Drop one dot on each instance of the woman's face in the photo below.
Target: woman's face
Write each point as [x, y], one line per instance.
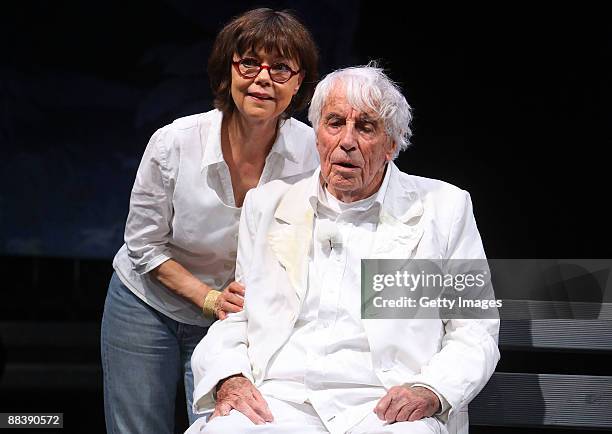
[260, 98]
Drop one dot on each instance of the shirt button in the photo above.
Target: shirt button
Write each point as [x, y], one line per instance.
[218, 282]
[228, 266]
[232, 254]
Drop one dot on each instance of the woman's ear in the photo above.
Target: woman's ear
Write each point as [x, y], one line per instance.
[299, 83]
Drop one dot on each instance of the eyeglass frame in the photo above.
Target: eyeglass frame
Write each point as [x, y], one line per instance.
[236, 64]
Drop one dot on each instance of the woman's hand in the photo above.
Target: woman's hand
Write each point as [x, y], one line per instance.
[180, 281]
[231, 300]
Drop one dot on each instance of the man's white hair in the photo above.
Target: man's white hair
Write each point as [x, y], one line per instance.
[367, 88]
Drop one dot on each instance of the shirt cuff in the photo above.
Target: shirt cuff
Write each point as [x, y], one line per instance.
[444, 405]
[153, 263]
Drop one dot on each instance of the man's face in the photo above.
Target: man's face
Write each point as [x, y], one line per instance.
[353, 148]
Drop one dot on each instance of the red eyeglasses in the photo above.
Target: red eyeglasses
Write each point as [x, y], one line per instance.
[250, 68]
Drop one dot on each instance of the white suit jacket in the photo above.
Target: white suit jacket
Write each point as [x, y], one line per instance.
[420, 218]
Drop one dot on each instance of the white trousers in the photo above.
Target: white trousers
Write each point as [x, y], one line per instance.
[291, 418]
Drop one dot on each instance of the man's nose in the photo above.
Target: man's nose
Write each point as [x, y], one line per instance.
[348, 140]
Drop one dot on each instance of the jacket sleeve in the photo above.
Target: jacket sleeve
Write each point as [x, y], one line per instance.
[469, 351]
[223, 351]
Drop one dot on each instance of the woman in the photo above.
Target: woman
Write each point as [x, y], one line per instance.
[175, 272]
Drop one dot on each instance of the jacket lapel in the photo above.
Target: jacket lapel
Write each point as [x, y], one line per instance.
[399, 230]
[291, 238]
[394, 239]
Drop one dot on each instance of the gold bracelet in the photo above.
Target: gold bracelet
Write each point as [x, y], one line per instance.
[210, 303]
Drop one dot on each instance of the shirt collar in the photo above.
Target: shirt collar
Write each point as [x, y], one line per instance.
[316, 189]
[213, 154]
[281, 144]
[210, 136]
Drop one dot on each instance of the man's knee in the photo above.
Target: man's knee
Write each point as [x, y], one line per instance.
[233, 422]
[372, 425]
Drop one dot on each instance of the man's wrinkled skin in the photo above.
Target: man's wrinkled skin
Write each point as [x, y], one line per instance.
[402, 403]
[237, 392]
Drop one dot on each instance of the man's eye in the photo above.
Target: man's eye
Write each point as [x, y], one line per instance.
[366, 128]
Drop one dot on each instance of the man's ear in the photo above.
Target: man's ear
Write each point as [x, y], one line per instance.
[390, 151]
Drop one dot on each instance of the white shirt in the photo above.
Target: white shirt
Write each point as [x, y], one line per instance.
[182, 207]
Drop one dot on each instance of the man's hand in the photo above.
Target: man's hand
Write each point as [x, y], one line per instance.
[238, 392]
[231, 300]
[403, 403]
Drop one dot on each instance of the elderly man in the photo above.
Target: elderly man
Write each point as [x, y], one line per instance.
[299, 358]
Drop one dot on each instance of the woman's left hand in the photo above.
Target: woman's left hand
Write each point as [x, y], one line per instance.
[231, 300]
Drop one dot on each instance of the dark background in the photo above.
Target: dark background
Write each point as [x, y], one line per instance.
[510, 104]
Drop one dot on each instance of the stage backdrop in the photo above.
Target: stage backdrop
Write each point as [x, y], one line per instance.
[513, 107]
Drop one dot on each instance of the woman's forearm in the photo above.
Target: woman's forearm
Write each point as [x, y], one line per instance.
[180, 281]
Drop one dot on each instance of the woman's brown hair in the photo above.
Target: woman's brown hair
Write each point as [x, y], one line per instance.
[273, 31]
